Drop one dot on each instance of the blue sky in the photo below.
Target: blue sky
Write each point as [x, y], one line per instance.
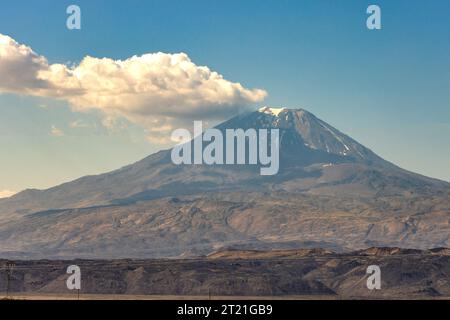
[389, 89]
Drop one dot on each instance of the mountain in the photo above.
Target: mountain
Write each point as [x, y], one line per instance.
[330, 192]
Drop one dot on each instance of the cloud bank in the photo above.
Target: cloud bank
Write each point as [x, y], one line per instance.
[158, 91]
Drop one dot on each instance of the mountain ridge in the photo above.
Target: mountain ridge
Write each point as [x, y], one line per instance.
[330, 192]
[249, 121]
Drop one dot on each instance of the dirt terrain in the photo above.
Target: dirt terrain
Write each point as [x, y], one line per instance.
[286, 274]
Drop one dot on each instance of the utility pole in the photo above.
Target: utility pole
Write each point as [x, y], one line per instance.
[9, 270]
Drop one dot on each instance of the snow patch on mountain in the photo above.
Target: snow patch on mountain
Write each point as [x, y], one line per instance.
[271, 110]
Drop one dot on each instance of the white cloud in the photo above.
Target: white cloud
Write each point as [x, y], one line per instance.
[56, 131]
[159, 91]
[19, 67]
[78, 124]
[6, 193]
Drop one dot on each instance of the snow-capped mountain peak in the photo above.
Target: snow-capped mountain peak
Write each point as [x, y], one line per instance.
[272, 110]
[304, 136]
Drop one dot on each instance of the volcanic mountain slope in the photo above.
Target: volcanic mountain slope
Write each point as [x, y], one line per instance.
[330, 192]
[313, 155]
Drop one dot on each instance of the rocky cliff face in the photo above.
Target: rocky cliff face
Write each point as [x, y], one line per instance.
[283, 273]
